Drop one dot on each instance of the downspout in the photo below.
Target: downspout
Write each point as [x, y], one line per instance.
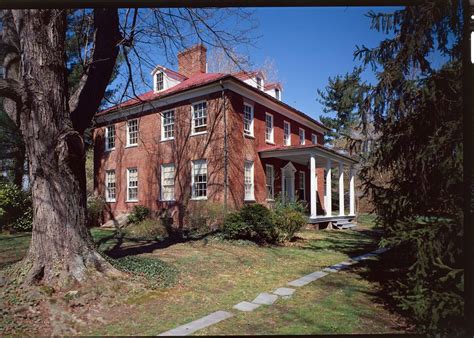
[225, 149]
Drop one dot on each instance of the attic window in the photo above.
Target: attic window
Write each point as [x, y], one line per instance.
[159, 81]
[277, 93]
[259, 83]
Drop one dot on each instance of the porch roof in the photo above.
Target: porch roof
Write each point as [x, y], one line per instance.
[301, 154]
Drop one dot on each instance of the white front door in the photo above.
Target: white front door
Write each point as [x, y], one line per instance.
[288, 182]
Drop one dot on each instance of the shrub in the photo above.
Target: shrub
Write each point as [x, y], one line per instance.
[289, 218]
[205, 216]
[95, 208]
[148, 229]
[16, 212]
[138, 214]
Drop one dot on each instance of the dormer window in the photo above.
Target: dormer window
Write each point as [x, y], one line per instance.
[277, 94]
[259, 83]
[159, 81]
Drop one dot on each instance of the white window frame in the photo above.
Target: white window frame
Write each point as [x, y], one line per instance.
[314, 138]
[107, 137]
[259, 83]
[193, 188]
[128, 185]
[163, 132]
[278, 94]
[250, 195]
[107, 194]
[163, 185]
[193, 120]
[128, 133]
[271, 139]
[287, 142]
[249, 132]
[272, 181]
[157, 89]
[302, 179]
[302, 132]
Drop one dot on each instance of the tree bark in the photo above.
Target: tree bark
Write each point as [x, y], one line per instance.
[61, 248]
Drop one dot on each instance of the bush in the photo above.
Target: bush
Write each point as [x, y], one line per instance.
[148, 229]
[253, 222]
[95, 208]
[16, 211]
[205, 217]
[138, 214]
[289, 218]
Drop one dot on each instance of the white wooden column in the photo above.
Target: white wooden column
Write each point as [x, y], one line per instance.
[341, 189]
[328, 205]
[314, 185]
[351, 191]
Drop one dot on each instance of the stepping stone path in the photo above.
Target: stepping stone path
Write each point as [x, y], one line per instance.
[199, 324]
[246, 306]
[266, 298]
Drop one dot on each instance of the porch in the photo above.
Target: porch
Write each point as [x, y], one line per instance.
[315, 157]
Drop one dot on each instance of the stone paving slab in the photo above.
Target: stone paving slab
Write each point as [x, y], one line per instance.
[284, 292]
[265, 299]
[246, 306]
[307, 279]
[198, 324]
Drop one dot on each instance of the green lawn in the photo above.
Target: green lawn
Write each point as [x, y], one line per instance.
[215, 275]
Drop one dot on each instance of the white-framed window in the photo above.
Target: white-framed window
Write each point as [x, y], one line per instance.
[199, 179]
[302, 178]
[277, 93]
[167, 182]
[302, 136]
[160, 84]
[259, 83]
[314, 138]
[110, 186]
[248, 119]
[248, 181]
[286, 133]
[132, 184]
[269, 127]
[270, 181]
[132, 132]
[199, 114]
[3, 73]
[167, 125]
[110, 137]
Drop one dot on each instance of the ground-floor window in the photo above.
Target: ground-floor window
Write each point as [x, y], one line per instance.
[248, 181]
[270, 181]
[302, 185]
[110, 191]
[167, 182]
[199, 179]
[132, 184]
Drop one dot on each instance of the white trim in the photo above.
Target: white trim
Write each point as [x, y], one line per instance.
[313, 186]
[302, 174]
[161, 182]
[289, 133]
[107, 198]
[163, 127]
[341, 189]
[128, 144]
[192, 118]
[301, 142]
[328, 190]
[271, 140]
[192, 180]
[272, 182]
[106, 137]
[315, 140]
[351, 191]
[317, 151]
[251, 196]
[128, 184]
[252, 114]
[290, 169]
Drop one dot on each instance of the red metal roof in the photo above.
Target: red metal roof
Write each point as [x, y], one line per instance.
[272, 85]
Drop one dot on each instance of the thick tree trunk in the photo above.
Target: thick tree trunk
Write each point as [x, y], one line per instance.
[61, 249]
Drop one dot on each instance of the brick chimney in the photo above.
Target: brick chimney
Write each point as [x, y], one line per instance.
[192, 61]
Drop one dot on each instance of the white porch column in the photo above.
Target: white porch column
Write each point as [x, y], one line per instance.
[351, 191]
[328, 205]
[341, 189]
[313, 184]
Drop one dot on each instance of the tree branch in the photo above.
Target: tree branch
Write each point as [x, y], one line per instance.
[11, 89]
[85, 102]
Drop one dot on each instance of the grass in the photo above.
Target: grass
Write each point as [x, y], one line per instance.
[215, 274]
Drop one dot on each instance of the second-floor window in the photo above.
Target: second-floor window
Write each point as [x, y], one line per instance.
[286, 133]
[159, 81]
[132, 132]
[132, 184]
[269, 127]
[110, 137]
[167, 125]
[314, 138]
[199, 123]
[167, 182]
[270, 181]
[110, 190]
[302, 137]
[199, 179]
[248, 181]
[248, 119]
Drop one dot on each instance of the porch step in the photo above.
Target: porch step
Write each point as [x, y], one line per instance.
[348, 226]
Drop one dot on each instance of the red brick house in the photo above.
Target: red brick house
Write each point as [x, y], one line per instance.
[221, 138]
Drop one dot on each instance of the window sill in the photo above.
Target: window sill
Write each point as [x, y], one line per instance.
[131, 201]
[199, 133]
[131, 146]
[287, 145]
[167, 139]
[270, 200]
[270, 142]
[249, 136]
[198, 198]
[169, 201]
[110, 201]
[249, 199]
[109, 150]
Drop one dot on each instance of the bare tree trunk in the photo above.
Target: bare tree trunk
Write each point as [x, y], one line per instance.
[61, 249]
